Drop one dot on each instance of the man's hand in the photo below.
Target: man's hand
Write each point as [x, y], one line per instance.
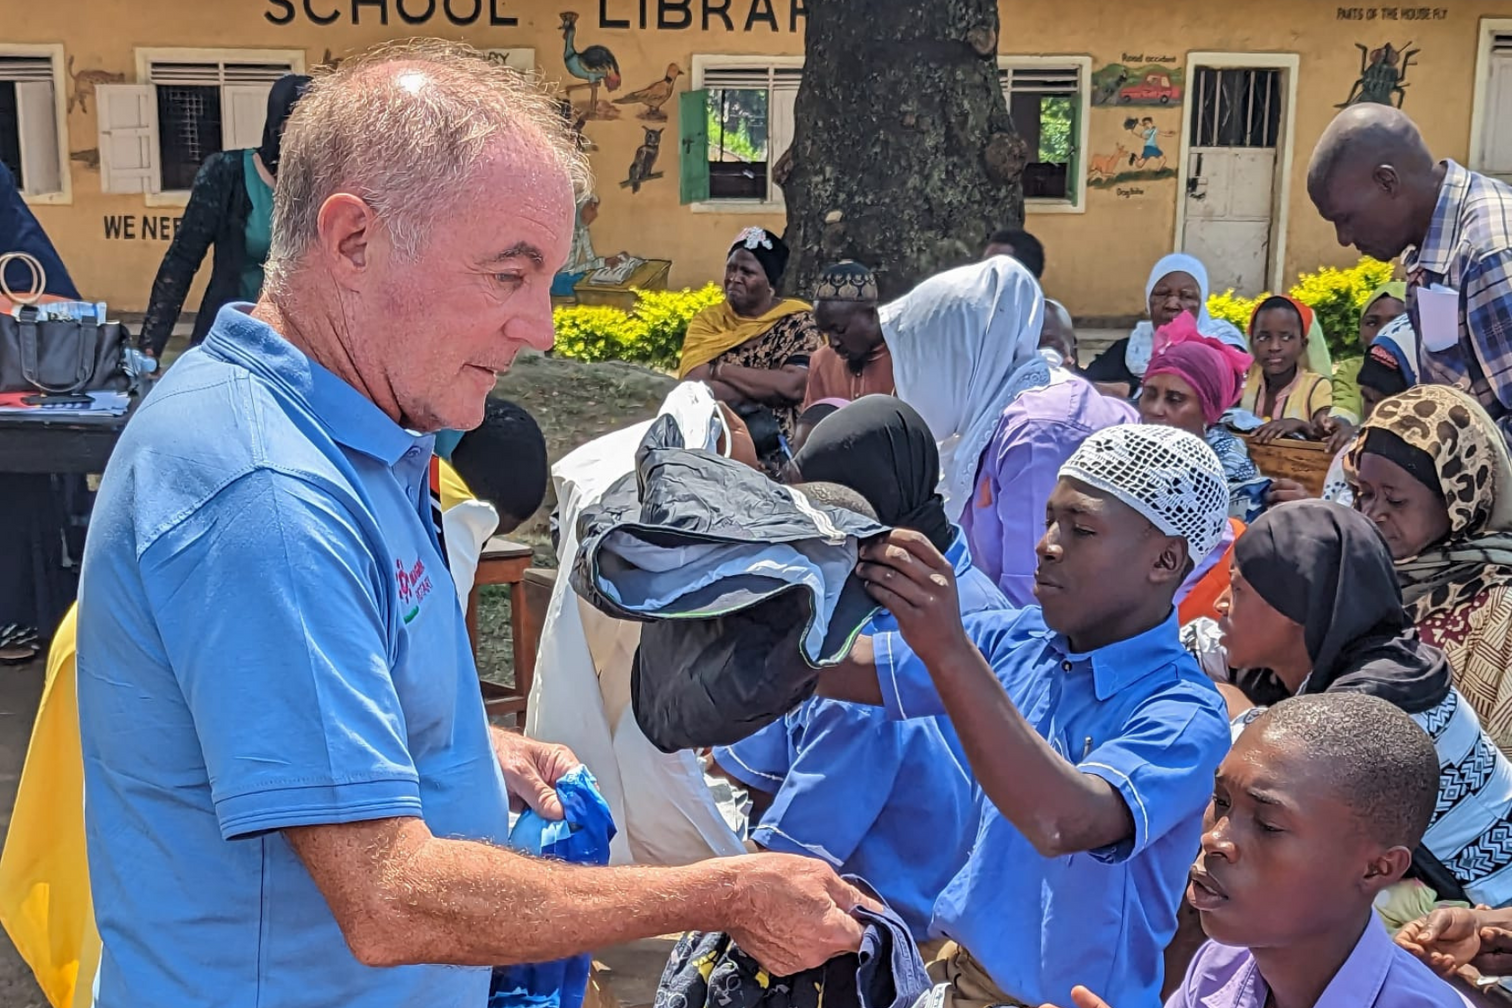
[1445, 940]
[1337, 430]
[907, 575]
[531, 771]
[1083, 998]
[1277, 429]
[1283, 490]
[792, 913]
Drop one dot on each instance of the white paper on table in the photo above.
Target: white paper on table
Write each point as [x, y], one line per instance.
[1438, 316]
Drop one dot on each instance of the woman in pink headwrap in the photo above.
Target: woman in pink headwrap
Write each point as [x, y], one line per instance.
[1190, 382]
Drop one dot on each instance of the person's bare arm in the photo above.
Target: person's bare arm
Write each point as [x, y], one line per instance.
[854, 680]
[784, 386]
[1057, 807]
[403, 896]
[1118, 390]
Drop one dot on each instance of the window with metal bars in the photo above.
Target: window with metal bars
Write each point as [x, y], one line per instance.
[1236, 107]
[193, 122]
[750, 126]
[1046, 102]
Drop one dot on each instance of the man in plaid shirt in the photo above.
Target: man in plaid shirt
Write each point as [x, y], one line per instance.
[1373, 178]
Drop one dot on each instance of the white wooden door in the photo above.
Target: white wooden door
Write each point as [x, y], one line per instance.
[1231, 175]
[1495, 154]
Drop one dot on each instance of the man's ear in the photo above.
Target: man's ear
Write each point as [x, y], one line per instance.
[345, 231]
[1386, 869]
[1387, 178]
[1172, 563]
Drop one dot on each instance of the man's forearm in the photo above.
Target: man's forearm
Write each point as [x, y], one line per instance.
[469, 904]
[1060, 809]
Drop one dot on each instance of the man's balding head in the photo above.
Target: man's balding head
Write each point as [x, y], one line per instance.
[1373, 178]
[424, 201]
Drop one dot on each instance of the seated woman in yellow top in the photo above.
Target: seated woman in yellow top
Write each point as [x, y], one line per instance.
[753, 349]
[1280, 389]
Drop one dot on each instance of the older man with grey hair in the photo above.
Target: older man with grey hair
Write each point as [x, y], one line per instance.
[292, 794]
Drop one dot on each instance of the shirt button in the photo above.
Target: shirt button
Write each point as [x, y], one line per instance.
[1065, 666]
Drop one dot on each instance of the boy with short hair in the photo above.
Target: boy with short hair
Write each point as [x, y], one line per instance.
[1092, 734]
[1315, 811]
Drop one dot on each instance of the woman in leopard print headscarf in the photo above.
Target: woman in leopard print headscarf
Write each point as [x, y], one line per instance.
[1432, 471]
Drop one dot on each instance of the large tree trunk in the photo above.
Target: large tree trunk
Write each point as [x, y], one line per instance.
[904, 156]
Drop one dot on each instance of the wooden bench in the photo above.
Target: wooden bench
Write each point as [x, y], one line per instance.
[506, 563]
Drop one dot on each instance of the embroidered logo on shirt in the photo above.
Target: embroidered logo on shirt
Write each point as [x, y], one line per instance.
[414, 585]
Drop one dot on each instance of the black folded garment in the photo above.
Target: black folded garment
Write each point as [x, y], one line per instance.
[747, 589]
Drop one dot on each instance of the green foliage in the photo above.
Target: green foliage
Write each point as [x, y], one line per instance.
[731, 113]
[652, 334]
[1055, 129]
[1337, 296]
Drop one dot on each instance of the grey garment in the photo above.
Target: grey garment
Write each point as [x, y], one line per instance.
[746, 588]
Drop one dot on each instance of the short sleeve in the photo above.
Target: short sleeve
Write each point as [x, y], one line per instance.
[1162, 762]
[1320, 396]
[907, 689]
[758, 761]
[289, 684]
[842, 775]
[1023, 465]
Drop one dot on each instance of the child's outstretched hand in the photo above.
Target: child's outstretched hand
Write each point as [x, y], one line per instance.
[1083, 998]
[907, 575]
[1277, 429]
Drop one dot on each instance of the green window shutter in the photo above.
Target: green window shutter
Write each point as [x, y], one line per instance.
[693, 155]
[1074, 181]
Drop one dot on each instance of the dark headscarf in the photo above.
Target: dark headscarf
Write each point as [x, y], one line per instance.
[769, 250]
[1326, 567]
[20, 232]
[287, 91]
[880, 448]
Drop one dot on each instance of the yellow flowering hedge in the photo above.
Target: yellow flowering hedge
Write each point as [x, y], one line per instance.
[651, 334]
[1336, 295]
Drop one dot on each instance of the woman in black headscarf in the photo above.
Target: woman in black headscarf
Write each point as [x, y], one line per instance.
[753, 348]
[230, 207]
[1314, 607]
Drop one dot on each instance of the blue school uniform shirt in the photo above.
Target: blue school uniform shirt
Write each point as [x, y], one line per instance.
[1137, 713]
[890, 801]
[268, 638]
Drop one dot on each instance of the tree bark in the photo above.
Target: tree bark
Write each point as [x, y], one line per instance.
[904, 156]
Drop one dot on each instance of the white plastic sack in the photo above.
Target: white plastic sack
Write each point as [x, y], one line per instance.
[580, 698]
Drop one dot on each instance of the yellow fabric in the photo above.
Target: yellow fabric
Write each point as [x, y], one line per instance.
[1301, 400]
[1346, 388]
[454, 489]
[717, 329]
[1407, 901]
[45, 901]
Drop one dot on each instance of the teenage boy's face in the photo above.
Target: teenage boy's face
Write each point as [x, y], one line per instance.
[1283, 857]
[1099, 560]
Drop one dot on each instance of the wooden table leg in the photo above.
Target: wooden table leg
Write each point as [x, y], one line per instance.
[524, 647]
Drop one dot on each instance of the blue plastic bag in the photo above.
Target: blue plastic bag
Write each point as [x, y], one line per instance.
[581, 838]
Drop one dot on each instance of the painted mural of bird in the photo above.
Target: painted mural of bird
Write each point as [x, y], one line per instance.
[595, 64]
[654, 96]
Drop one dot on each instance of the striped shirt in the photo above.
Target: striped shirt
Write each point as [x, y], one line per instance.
[1469, 248]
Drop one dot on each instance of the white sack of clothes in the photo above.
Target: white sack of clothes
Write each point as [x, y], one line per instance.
[665, 806]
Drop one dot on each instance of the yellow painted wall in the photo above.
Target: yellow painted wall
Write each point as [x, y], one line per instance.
[1098, 259]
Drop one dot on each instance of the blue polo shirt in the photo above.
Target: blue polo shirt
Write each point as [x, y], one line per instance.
[1137, 713]
[890, 801]
[268, 637]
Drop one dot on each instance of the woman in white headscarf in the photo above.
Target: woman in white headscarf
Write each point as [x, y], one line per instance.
[965, 349]
[1178, 283]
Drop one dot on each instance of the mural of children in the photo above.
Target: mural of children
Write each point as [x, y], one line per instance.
[582, 260]
[1149, 134]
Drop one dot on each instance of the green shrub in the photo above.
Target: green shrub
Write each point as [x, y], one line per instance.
[1337, 296]
[652, 334]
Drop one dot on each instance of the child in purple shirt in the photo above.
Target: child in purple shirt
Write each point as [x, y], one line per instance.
[1315, 811]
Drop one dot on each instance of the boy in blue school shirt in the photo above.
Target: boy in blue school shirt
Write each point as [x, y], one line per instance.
[1092, 733]
[889, 801]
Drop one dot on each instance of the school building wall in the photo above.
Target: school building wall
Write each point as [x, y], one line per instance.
[1098, 253]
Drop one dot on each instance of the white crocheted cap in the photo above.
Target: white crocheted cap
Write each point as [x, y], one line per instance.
[1166, 474]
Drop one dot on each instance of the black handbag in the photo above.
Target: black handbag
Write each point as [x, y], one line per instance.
[56, 356]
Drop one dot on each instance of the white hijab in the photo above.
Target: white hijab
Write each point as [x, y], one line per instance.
[1142, 337]
[964, 345]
